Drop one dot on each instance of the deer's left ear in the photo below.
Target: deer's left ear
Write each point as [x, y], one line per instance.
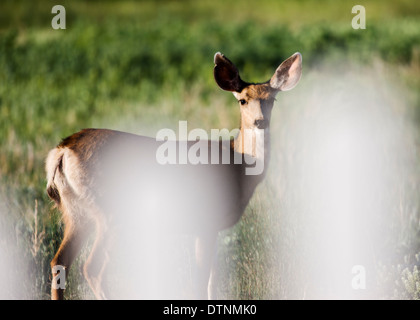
[226, 74]
[288, 73]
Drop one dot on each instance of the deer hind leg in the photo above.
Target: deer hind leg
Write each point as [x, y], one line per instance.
[96, 263]
[75, 235]
[76, 223]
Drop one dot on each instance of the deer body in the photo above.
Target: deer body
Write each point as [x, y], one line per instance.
[99, 178]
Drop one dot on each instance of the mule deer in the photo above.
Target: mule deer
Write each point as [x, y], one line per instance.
[98, 178]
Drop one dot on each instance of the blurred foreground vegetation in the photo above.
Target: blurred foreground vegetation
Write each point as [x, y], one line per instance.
[138, 66]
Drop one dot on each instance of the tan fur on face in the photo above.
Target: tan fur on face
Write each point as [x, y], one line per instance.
[256, 91]
[257, 98]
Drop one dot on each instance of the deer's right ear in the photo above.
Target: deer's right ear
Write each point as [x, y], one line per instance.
[288, 73]
[226, 74]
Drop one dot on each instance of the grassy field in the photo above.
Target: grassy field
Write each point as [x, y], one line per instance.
[139, 66]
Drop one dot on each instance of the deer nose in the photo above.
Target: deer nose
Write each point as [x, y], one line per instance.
[261, 124]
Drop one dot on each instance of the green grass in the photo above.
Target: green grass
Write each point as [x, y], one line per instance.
[141, 66]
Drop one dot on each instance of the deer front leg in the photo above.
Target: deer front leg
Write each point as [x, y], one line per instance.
[212, 286]
[204, 252]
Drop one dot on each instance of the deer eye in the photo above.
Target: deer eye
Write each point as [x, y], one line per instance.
[242, 102]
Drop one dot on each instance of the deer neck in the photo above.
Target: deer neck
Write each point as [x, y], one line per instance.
[253, 142]
[260, 152]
